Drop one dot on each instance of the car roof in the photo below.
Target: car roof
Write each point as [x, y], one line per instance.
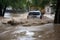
[34, 11]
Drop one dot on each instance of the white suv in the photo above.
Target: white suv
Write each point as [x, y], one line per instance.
[34, 14]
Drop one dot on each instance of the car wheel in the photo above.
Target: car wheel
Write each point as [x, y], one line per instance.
[40, 17]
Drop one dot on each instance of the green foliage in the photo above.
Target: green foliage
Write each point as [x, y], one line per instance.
[24, 3]
[40, 3]
[13, 3]
[53, 2]
[19, 4]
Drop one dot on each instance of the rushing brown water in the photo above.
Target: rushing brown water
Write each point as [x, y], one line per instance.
[57, 31]
[42, 32]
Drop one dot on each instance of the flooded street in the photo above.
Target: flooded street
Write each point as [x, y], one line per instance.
[43, 32]
[19, 32]
[29, 20]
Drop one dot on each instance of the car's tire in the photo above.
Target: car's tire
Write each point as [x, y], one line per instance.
[40, 17]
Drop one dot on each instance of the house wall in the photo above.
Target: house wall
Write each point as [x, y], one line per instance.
[48, 9]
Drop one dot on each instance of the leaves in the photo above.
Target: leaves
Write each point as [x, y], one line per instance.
[13, 3]
[40, 3]
[26, 3]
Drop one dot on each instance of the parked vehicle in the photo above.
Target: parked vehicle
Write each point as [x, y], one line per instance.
[34, 14]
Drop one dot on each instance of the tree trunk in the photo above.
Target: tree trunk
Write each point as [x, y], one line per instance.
[4, 10]
[1, 10]
[57, 15]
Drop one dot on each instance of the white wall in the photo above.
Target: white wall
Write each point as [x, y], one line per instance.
[48, 10]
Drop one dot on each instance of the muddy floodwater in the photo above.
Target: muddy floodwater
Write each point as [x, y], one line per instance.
[39, 32]
[43, 32]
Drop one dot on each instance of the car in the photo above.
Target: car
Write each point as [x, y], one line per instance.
[34, 14]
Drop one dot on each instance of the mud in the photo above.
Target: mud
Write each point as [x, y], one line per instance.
[21, 19]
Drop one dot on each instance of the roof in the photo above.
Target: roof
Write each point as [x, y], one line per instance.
[34, 11]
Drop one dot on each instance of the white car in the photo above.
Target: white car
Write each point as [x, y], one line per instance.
[34, 14]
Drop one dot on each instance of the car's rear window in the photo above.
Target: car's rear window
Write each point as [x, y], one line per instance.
[34, 13]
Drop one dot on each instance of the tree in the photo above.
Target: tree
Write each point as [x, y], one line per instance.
[12, 3]
[53, 2]
[57, 15]
[40, 3]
